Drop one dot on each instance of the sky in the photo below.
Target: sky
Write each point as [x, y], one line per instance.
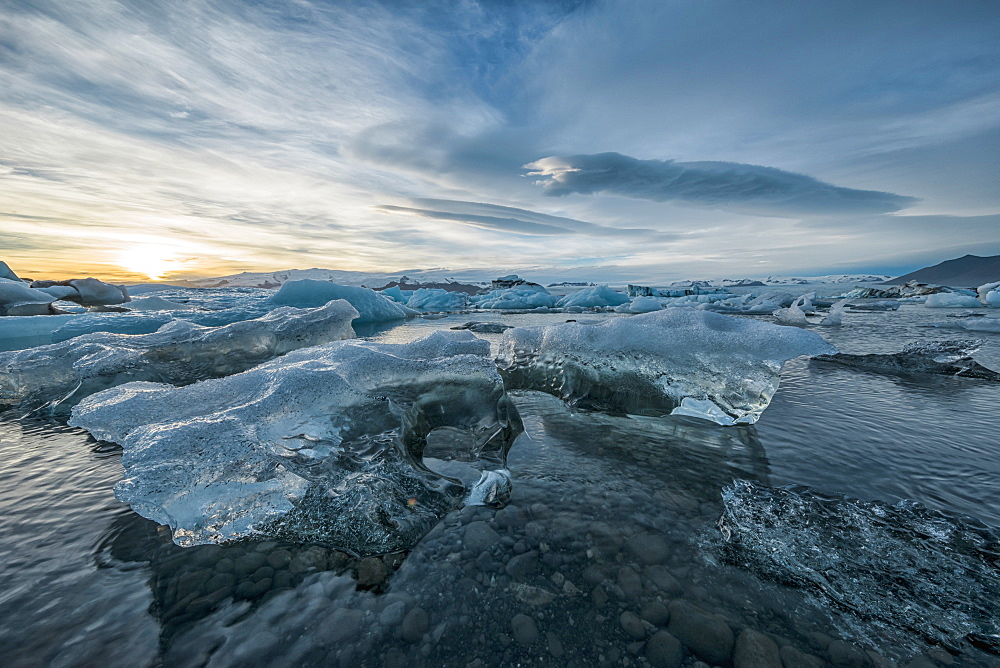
[629, 140]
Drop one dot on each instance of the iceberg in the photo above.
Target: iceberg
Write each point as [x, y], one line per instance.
[948, 358]
[515, 298]
[970, 325]
[18, 299]
[671, 361]
[437, 299]
[796, 313]
[396, 294]
[85, 291]
[7, 272]
[371, 306]
[600, 295]
[644, 305]
[835, 318]
[951, 300]
[59, 375]
[330, 444]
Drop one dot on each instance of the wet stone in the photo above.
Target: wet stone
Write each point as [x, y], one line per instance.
[225, 565]
[480, 536]
[630, 582]
[593, 575]
[249, 563]
[555, 645]
[279, 559]
[793, 657]
[395, 658]
[664, 651]
[648, 548]
[342, 625]
[845, 655]
[662, 579]
[599, 597]
[524, 629]
[486, 564]
[707, 637]
[311, 560]
[522, 566]
[264, 572]
[371, 572]
[414, 625]
[655, 613]
[632, 625]
[282, 580]
[755, 650]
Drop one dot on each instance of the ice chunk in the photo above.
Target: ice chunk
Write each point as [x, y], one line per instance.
[7, 272]
[874, 305]
[930, 577]
[61, 374]
[16, 298]
[649, 364]
[970, 324]
[949, 358]
[323, 445]
[396, 294]
[986, 288]
[644, 305]
[86, 291]
[371, 306]
[796, 313]
[436, 299]
[835, 318]
[515, 298]
[600, 295]
[115, 323]
[951, 300]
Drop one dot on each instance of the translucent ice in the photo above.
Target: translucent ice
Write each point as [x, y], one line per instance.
[515, 298]
[949, 358]
[932, 578]
[796, 313]
[600, 295]
[85, 291]
[61, 374]
[651, 364]
[371, 306]
[951, 300]
[644, 305]
[325, 444]
[16, 298]
[970, 324]
[437, 299]
[835, 318]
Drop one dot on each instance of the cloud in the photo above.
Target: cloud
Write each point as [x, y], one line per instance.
[727, 185]
[516, 221]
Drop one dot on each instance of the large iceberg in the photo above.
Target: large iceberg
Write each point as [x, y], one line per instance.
[948, 358]
[329, 444]
[600, 295]
[61, 374]
[371, 306]
[520, 297]
[85, 291]
[678, 361]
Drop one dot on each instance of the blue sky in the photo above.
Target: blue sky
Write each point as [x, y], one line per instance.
[616, 140]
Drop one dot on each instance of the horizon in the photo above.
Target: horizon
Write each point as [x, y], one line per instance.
[587, 140]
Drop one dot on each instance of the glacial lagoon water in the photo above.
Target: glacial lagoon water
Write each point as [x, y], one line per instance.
[864, 535]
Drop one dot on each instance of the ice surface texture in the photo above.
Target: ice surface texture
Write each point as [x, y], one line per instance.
[520, 297]
[684, 361]
[948, 358]
[899, 566]
[436, 299]
[371, 306]
[16, 298]
[600, 295]
[85, 291]
[324, 444]
[61, 374]
[951, 300]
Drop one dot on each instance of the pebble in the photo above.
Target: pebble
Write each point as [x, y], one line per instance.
[599, 597]
[755, 650]
[310, 560]
[655, 613]
[632, 625]
[524, 629]
[708, 637]
[279, 559]
[480, 536]
[648, 548]
[793, 657]
[662, 579]
[555, 645]
[392, 614]
[342, 625]
[414, 625]
[664, 651]
[249, 563]
[630, 582]
[845, 655]
[522, 566]
[371, 572]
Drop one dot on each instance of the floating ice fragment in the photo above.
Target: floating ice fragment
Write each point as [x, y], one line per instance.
[644, 305]
[949, 358]
[835, 318]
[951, 300]
[437, 299]
[324, 444]
[903, 567]
[371, 306]
[649, 364]
[61, 374]
[600, 295]
[970, 324]
[17, 299]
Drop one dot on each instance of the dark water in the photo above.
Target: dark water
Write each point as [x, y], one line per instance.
[610, 542]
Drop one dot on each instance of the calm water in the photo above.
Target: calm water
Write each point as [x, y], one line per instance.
[610, 537]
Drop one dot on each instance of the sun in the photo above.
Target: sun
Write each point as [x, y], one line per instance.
[152, 260]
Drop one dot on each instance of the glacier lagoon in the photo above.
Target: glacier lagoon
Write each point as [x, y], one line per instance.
[610, 550]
